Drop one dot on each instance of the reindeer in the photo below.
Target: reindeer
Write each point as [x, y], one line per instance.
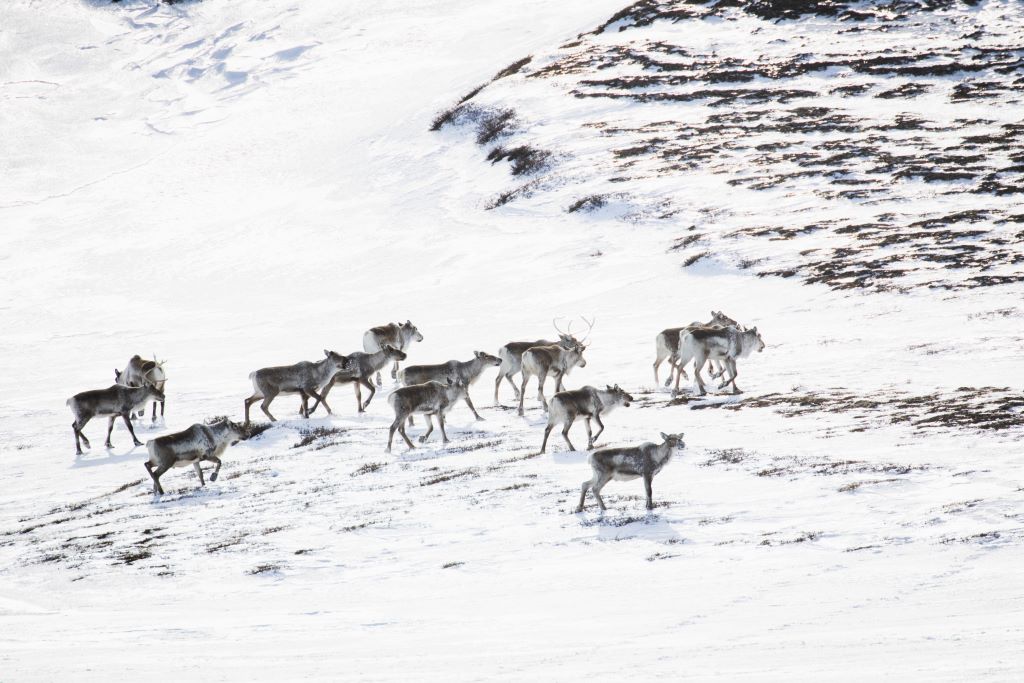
[192, 446]
[112, 402]
[667, 344]
[139, 372]
[724, 344]
[554, 360]
[430, 398]
[466, 372]
[304, 378]
[589, 402]
[511, 355]
[398, 336]
[624, 464]
[359, 368]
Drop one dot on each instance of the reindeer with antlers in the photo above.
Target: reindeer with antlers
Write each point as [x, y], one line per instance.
[139, 373]
[554, 360]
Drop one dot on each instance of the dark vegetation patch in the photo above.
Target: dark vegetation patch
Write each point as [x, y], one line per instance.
[264, 569]
[987, 408]
[451, 565]
[803, 537]
[368, 468]
[319, 437]
[525, 160]
[854, 485]
[591, 202]
[470, 472]
[475, 446]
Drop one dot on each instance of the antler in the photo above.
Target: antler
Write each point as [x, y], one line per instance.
[554, 321]
[590, 326]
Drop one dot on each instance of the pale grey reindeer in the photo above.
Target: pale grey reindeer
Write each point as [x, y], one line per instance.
[543, 361]
[587, 402]
[430, 398]
[627, 463]
[667, 345]
[199, 443]
[305, 378]
[466, 372]
[400, 336]
[511, 356]
[111, 402]
[724, 344]
[359, 368]
[140, 371]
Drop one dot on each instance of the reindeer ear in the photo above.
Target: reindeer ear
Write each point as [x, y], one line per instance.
[117, 374]
[754, 329]
[665, 436]
[327, 353]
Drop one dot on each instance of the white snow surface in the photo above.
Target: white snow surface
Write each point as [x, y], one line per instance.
[244, 184]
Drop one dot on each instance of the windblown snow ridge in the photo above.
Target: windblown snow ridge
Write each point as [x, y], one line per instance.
[859, 145]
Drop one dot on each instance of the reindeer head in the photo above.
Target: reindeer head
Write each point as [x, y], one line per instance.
[619, 396]
[409, 331]
[235, 431]
[335, 360]
[153, 392]
[754, 336]
[487, 358]
[394, 354]
[674, 440]
[720, 318]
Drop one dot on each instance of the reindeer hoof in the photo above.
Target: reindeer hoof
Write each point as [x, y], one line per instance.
[213, 477]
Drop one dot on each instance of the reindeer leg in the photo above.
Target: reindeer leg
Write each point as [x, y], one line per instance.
[698, 365]
[497, 385]
[303, 404]
[735, 373]
[379, 382]
[321, 399]
[430, 428]
[440, 420]
[391, 432]
[471, 407]
[522, 393]
[600, 428]
[565, 431]
[215, 460]
[110, 428]
[157, 487]
[199, 473]
[162, 406]
[248, 402]
[131, 430]
[512, 382]
[156, 482]
[265, 406]
[540, 390]
[394, 370]
[602, 479]
[547, 432]
[590, 437]
[78, 433]
[373, 390]
[154, 412]
[583, 493]
[648, 478]
[401, 430]
[359, 396]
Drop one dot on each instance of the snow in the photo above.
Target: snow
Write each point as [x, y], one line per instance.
[237, 185]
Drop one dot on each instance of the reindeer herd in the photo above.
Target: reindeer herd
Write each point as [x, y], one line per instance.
[431, 391]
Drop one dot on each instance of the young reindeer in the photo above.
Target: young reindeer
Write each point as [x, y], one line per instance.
[430, 398]
[359, 368]
[667, 343]
[587, 402]
[624, 464]
[112, 402]
[304, 378]
[511, 356]
[192, 446]
[465, 372]
[139, 372]
[398, 336]
[724, 344]
[554, 360]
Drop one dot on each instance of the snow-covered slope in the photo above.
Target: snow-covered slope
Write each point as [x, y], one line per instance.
[235, 185]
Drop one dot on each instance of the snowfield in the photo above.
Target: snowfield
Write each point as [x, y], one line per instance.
[231, 186]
